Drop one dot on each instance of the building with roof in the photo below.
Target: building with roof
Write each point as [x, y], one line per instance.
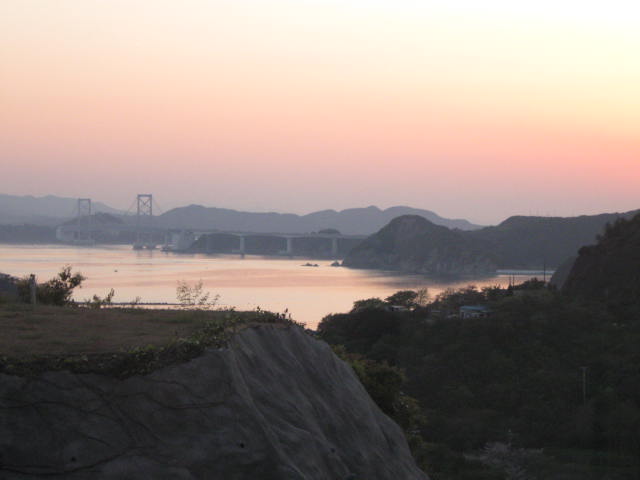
[474, 311]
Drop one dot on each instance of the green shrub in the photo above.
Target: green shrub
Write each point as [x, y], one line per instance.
[56, 291]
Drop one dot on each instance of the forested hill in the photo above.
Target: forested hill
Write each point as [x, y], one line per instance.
[554, 379]
[518, 242]
[609, 270]
[413, 244]
[525, 242]
[352, 221]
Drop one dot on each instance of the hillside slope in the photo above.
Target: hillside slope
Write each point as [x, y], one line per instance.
[609, 270]
[532, 242]
[413, 244]
[275, 404]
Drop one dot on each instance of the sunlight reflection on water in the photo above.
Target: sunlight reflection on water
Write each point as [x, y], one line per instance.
[272, 283]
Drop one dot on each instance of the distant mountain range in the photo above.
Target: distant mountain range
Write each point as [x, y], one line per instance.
[49, 210]
[352, 221]
[518, 242]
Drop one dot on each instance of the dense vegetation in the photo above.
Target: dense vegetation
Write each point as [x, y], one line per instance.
[542, 371]
[414, 244]
[55, 291]
[610, 270]
[533, 241]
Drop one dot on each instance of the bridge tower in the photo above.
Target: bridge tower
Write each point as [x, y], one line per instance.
[144, 222]
[83, 222]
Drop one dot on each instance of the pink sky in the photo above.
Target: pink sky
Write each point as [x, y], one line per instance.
[300, 105]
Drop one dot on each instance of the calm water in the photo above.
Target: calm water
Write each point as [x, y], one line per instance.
[270, 283]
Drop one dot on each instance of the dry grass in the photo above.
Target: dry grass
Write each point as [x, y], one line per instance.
[71, 331]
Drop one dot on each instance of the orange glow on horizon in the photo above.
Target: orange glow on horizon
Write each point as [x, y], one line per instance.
[540, 99]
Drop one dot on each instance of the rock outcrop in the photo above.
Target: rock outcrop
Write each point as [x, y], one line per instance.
[412, 244]
[275, 404]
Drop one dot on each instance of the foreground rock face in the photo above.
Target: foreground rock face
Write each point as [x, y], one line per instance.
[276, 404]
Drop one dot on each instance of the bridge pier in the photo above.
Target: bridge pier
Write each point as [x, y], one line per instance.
[167, 240]
[334, 246]
[242, 246]
[289, 246]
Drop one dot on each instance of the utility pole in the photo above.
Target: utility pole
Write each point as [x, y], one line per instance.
[33, 286]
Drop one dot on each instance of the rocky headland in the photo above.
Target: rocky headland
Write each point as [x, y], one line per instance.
[413, 244]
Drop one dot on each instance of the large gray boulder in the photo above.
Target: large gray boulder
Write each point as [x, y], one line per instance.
[275, 404]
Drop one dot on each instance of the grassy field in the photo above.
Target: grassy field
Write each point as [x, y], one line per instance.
[114, 341]
[47, 330]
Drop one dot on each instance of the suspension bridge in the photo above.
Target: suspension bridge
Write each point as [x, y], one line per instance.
[139, 227]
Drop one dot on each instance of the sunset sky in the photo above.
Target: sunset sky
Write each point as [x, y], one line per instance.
[472, 109]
